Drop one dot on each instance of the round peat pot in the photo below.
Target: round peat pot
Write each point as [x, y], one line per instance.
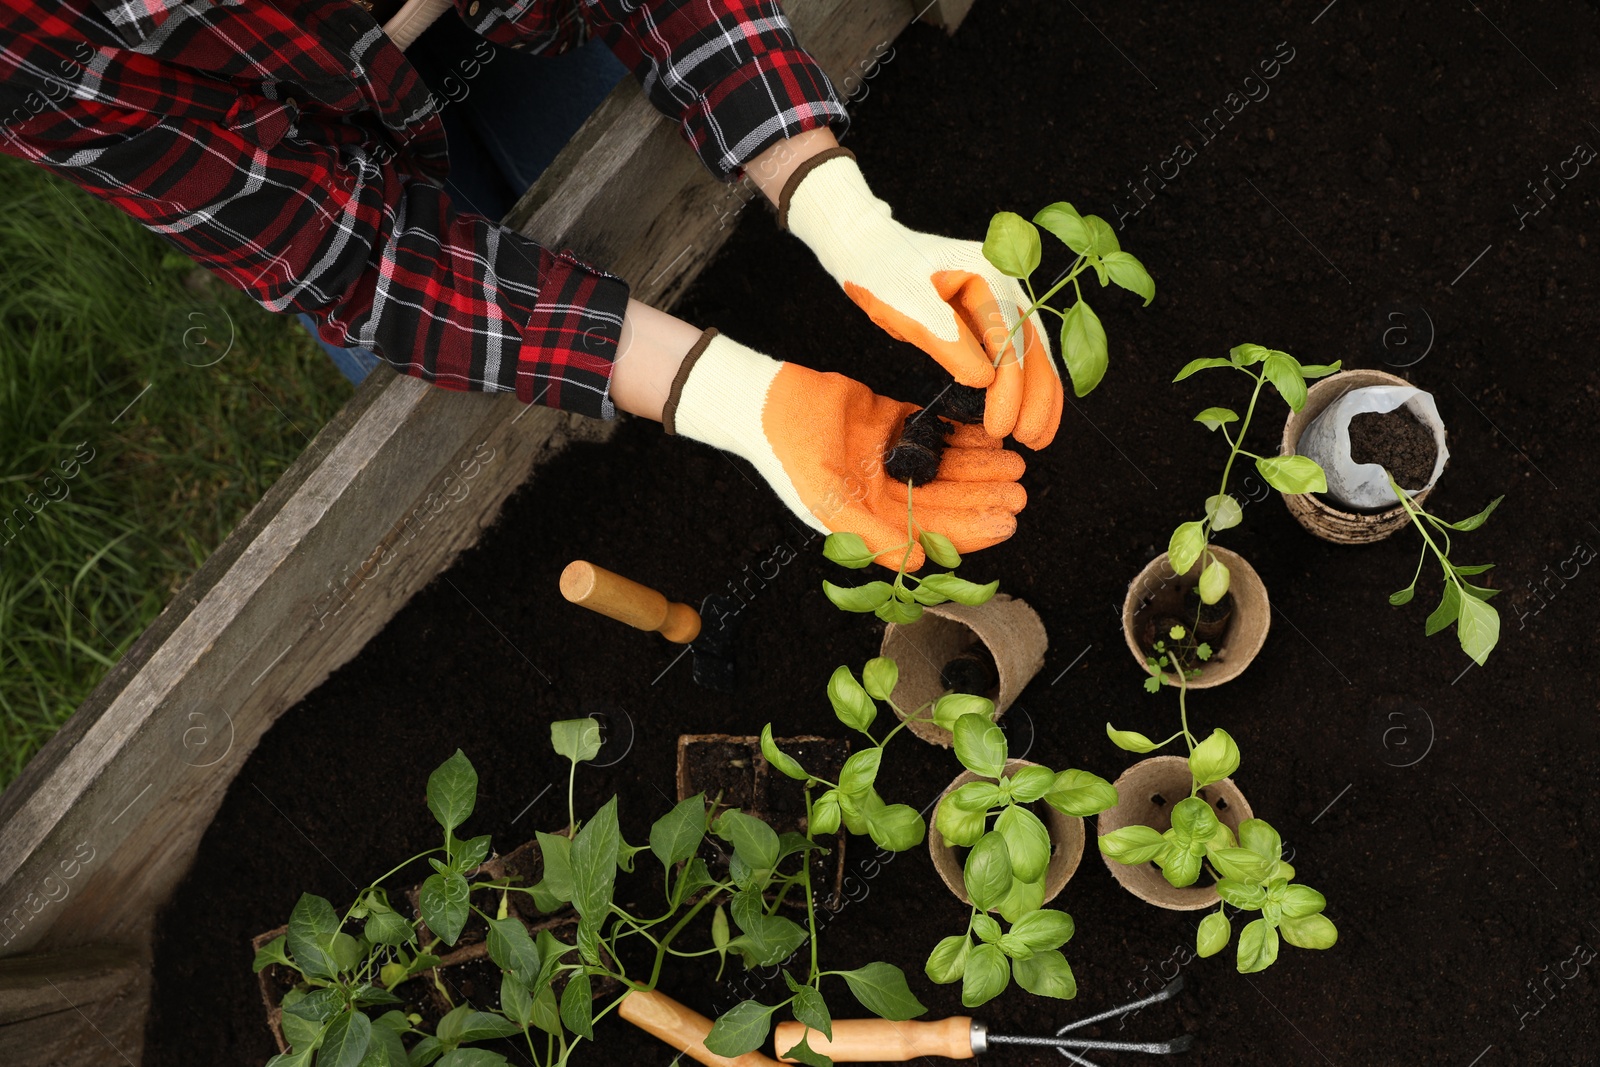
[1146, 793]
[1158, 592]
[1010, 631]
[1066, 841]
[1329, 521]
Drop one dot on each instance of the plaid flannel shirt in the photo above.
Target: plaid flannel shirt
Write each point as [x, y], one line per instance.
[289, 147]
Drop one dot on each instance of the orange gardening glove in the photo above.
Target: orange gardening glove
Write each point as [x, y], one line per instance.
[937, 293]
[819, 441]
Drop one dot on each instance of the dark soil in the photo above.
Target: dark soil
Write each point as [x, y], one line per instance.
[1208, 622]
[1447, 813]
[972, 672]
[1399, 442]
[915, 456]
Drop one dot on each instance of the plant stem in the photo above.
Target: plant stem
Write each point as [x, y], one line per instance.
[1233, 453]
[1412, 512]
[811, 900]
[572, 812]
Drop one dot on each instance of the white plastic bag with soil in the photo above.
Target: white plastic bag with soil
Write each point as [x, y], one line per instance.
[1364, 486]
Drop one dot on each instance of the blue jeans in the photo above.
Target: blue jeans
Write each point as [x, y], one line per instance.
[503, 124]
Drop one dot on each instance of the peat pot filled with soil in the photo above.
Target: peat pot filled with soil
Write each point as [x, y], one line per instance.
[1235, 627]
[1066, 840]
[1146, 793]
[1355, 425]
[990, 650]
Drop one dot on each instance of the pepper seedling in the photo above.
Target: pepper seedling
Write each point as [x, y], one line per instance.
[1013, 246]
[1465, 604]
[1250, 871]
[1191, 541]
[899, 602]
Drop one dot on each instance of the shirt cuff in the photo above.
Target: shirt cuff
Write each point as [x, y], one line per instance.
[569, 344]
[774, 96]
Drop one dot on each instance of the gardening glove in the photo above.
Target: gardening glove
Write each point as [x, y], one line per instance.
[939, 294]
[819, 441]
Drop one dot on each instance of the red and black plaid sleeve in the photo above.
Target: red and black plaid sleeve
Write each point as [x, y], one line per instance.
[729, 71]
[291, 149]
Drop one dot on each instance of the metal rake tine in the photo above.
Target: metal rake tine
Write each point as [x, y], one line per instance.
[1166, 992]
[1076, 1058]
[1180, 1043]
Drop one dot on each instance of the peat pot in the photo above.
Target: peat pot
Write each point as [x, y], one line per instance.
[1157, 592]
[1326, 519]
[1004, 637]
[1066, 840]
[1146, 793]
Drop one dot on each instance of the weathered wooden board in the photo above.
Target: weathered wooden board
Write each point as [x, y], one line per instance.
[86, 1005]
[945, 13]
[104, 822]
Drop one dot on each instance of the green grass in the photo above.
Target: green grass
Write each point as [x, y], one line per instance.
[191, 400]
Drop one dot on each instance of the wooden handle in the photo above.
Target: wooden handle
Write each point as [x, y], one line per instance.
[879, 1040]
[682, 1028]
[627, 601]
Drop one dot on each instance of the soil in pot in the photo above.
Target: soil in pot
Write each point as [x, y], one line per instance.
[972, 672]
[1207, 621]
[1398, 441]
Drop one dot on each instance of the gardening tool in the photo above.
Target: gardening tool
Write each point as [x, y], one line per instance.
[643, 608]
[961, 1037]
[683, 1028]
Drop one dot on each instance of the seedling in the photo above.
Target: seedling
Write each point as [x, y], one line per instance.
[1184, 651]
[1465, 604]
[1013, 246]
[1191, 541]
[900, 602]
[1250, 871]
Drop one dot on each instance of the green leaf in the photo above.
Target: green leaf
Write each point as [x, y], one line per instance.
[1179, 866]
[1029, 784]
[516, 1001]
[1214, 581]
[1319, 370]
[860, 771]
[1130, 740]
[948, 960]
[898, 612]
[1403, 596]
[1259, 837]
[1477, 568]
[453, 791]
[443, 903]
[896, 827]
[851, 702]
[987, 974]
[467, 855]
[576, 739]
[1214, 759]
[1472, 524]
[1213, 935]
[1042, 930]
[512, 949]
[1196, 365]
[1300, 901]
[577, 1005]
[546, 1014]
[1292, 474]
[1063, 220]
[1446, 613]
[312, 925]
[292, 1059]
[1081, 793]
[386, 1049]
[1215, 418]
[1240, 864]
[556, 852]
[741, 1029]
[861, 598]
[1023, 898]
[594, 864]
[1258, 946]
[346, 1040]
[765, 940]
[1244, 895]
[472, 1057]
[424, 1052]
[1478, 629]
[753, 841]
[1027, 842]
[1129, 273]
[880, 676]
[273, 952]
[1133, 844]
[1046, 974]
[881, 988]
[1310, 931]
[847, 550]
[987, 873]
[980, 746]
[959, 826]
[939, 548]
[1193, 823]
[809, 1007]
[1223, 511]
[986, 928]
[1012, 245]
[959, 589]
[1083, 346]
[1185, 546]
[1283, 371]
[1247, 355]
[464, 1024]
[302, 1034]
[804, 1053]
[825, 814]
[1102, 238]
[676, 835]
[948, 709]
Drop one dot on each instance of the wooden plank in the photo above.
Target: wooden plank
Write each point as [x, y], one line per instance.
[84, 1007]
[104, 822]
[946, 13]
